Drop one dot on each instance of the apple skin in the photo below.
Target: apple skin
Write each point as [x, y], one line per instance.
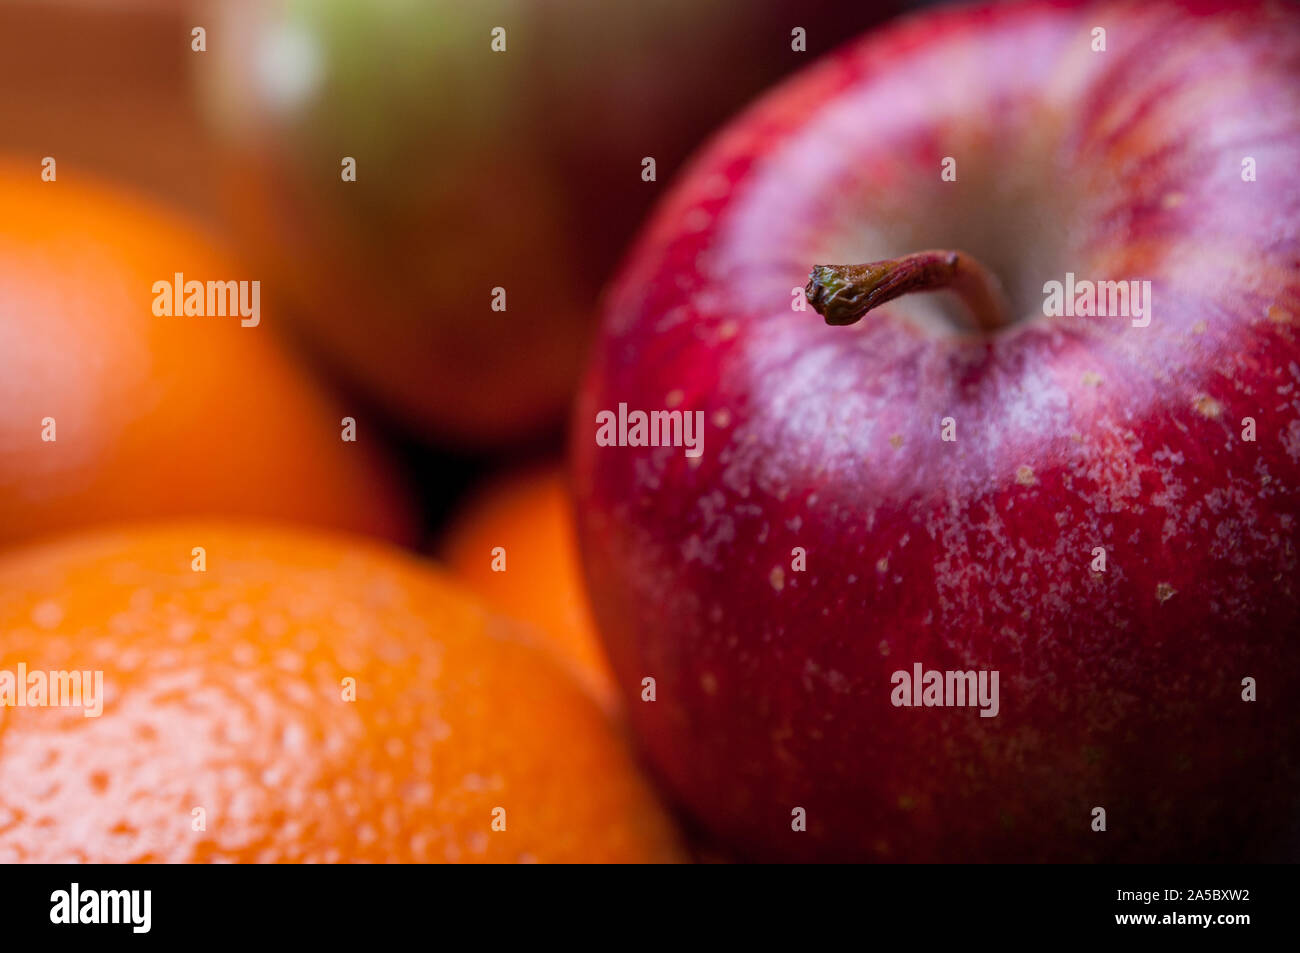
[1119, 689]
[475, 170]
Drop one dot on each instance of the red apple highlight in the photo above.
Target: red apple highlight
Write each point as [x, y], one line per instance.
[1100, 506]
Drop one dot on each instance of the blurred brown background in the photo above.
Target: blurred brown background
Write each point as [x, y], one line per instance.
[113, 89]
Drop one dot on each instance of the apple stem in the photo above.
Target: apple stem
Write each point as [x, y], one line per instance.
[844, 293]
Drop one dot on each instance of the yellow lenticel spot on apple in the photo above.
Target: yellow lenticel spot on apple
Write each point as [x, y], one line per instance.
[1025, 476]
[896, 440]
[697, 220]
[1172, 199]
[1207, 406]
[905, 802]
[1199, 327]
[674, 398]
[1090, 378]
[882, 564]
[709, 683]
[1165, 592]
[722, 418]
[777, 578]
[1279, 315]
[716, 186]
[884, 647]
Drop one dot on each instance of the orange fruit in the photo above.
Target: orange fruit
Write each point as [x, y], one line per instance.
[154, 415]
[226, 733]
[524, 522]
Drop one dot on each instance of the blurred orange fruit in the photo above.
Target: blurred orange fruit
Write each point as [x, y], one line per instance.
[524, 523]
[227, 733]
[154, 416]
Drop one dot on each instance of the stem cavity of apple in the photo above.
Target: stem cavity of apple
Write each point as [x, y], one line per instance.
[842, 294]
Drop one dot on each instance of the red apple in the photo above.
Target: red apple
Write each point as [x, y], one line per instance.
[518, 168]
[1120, 688]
